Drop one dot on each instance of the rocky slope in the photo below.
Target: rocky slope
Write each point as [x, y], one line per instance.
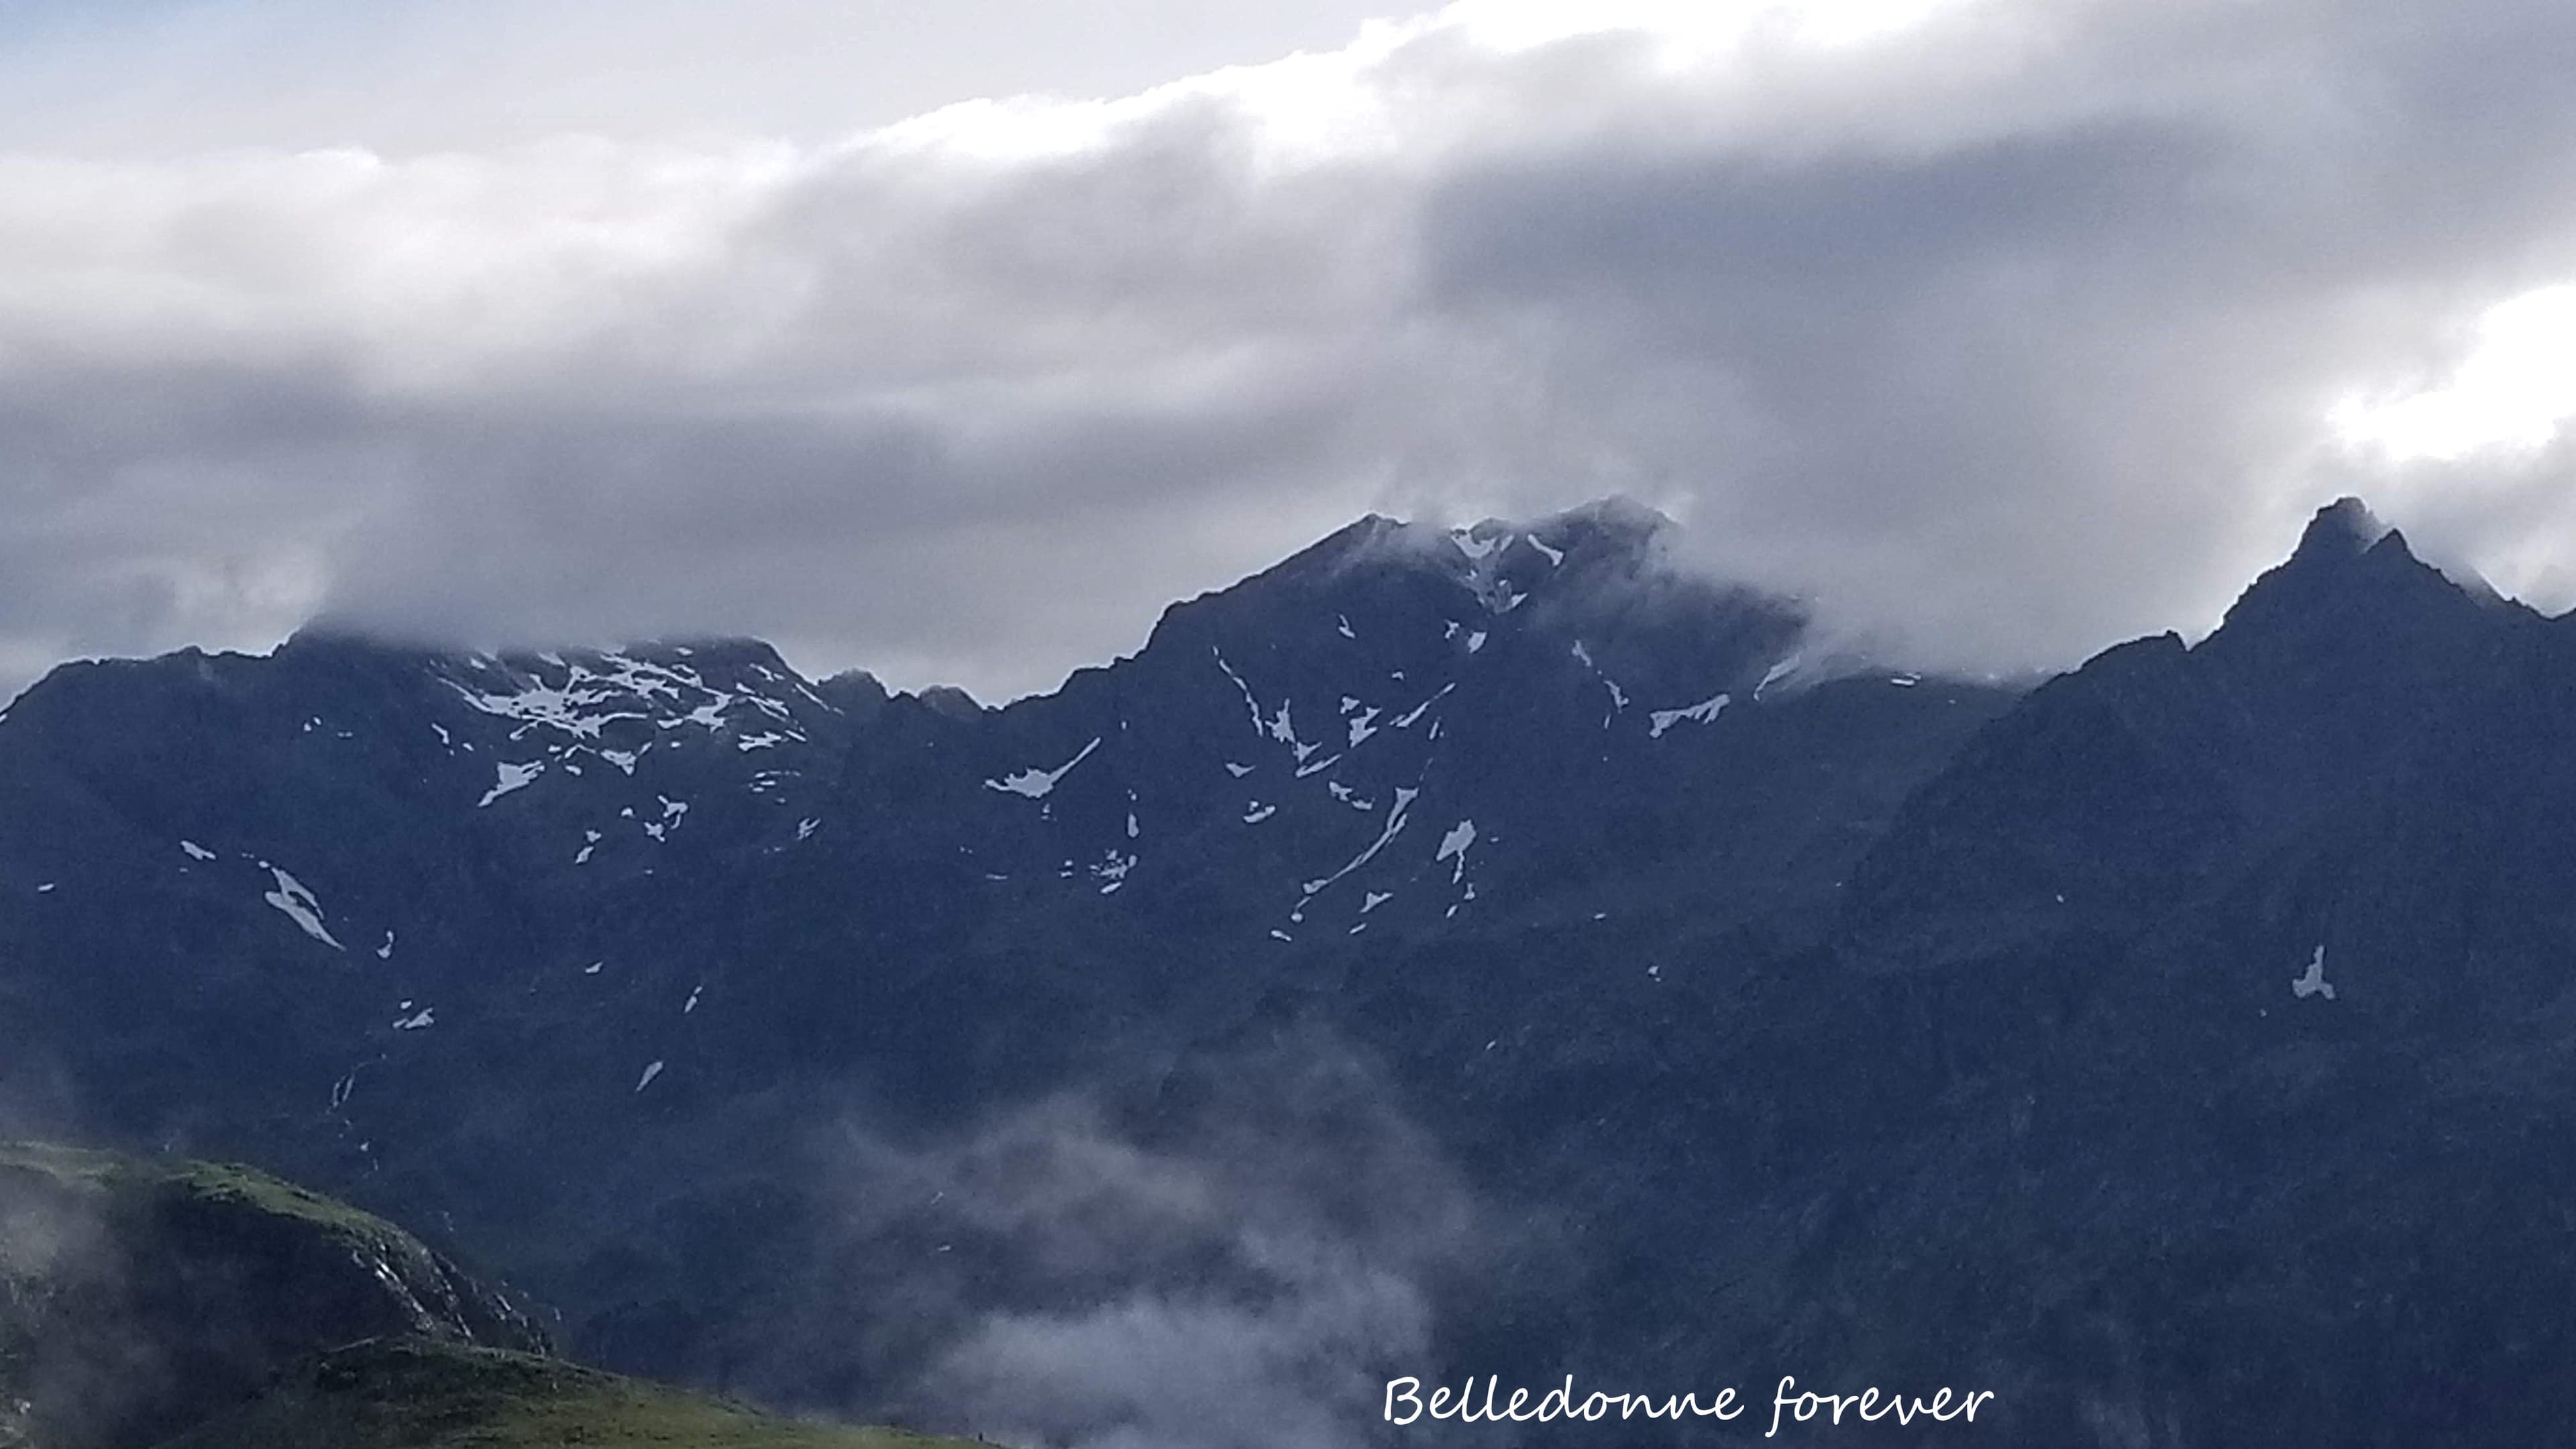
[2177, 1048]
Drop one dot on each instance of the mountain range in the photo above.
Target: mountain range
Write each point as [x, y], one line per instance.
[1487, 950]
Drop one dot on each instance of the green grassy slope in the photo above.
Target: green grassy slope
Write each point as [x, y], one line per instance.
[429, 1394]
[139, 1297]
[125, 1186]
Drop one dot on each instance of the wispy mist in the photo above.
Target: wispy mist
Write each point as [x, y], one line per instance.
[1240, 1270]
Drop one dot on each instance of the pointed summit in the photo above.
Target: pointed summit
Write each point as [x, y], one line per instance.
[2344, 528]
[2348, 563]
[2352, 605]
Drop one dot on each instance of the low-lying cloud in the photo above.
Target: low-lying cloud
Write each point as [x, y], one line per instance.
[1240, 1272]
[2000, 329]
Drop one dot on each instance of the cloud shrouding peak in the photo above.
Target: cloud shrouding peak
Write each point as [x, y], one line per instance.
[2000, 330]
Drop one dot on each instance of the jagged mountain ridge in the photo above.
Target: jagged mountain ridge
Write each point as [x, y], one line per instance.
[2344, 723]
[2241, 971]
[463, 821]
[518, 935]
[1813, 1017]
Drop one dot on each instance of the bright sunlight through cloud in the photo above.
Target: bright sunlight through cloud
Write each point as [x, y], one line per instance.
[2513, 390]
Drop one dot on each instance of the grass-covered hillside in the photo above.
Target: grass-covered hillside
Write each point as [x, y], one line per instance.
[137, 1295]
[145, 1299]
[433, 1394]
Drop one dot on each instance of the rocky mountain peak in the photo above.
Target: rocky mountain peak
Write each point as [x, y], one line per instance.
[2353, 584]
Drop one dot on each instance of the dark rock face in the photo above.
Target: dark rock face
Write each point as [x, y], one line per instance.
[2238, 973]
[2363, 747]
[2176, 1049]
[137, 1297]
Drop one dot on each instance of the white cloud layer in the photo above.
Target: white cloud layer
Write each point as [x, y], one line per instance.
[2003, 329]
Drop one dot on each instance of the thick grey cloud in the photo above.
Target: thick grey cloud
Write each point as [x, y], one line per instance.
[2007, 394]
[2002, 330]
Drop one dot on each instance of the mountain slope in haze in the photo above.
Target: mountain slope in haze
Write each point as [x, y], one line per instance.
[137, 1296]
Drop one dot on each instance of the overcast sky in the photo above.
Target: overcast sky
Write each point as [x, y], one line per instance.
[956, 340]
